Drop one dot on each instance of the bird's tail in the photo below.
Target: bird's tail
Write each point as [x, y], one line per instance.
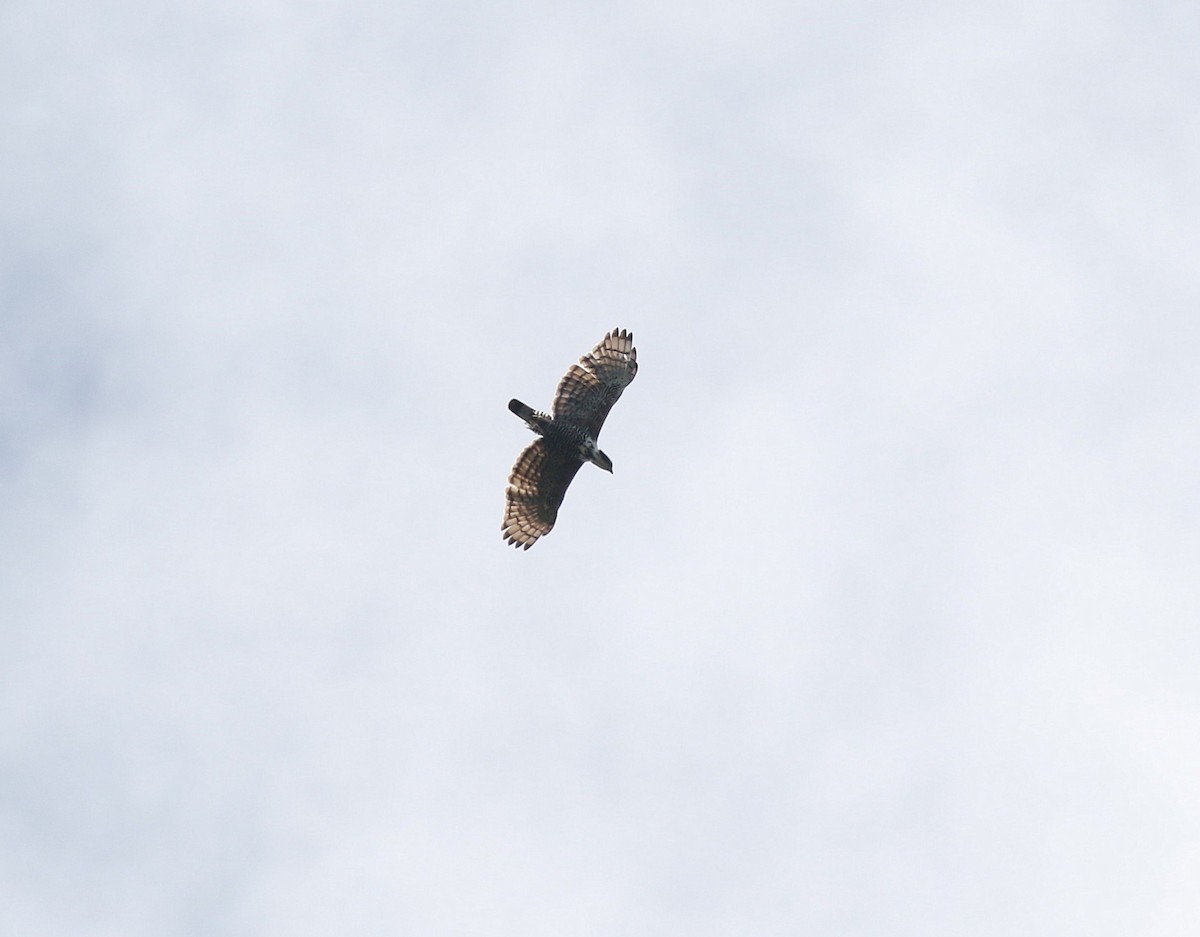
[524, 411]
[534, 419]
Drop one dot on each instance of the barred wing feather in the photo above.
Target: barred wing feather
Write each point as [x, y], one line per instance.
[589, 389]
[536, 487]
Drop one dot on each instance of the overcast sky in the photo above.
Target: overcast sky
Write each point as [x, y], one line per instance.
[888, 622]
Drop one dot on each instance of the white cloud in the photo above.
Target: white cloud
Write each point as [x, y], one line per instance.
[884, 622]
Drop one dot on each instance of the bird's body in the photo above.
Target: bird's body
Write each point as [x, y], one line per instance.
[567, 438]
[562, 434]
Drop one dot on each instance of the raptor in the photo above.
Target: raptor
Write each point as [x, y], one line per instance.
[566, 437]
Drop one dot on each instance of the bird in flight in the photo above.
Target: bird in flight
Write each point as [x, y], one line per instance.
[566, 439]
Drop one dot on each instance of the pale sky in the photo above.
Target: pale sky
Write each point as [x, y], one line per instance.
[888, 621]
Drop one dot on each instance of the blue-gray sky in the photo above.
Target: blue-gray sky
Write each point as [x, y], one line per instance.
[887, 621]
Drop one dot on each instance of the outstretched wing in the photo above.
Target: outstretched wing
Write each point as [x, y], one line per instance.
[536, 486]
[589, 389]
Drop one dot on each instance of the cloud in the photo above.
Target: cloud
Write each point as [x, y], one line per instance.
[883, 622]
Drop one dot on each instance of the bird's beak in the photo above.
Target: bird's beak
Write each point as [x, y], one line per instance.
[605, 463]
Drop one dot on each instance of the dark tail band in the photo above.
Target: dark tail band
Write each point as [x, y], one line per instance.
[522, 410]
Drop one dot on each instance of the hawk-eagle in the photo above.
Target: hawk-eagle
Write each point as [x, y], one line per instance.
[566, 439]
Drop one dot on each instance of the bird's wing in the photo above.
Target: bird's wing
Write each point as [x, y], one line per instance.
[589, 389]
[536, 486]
